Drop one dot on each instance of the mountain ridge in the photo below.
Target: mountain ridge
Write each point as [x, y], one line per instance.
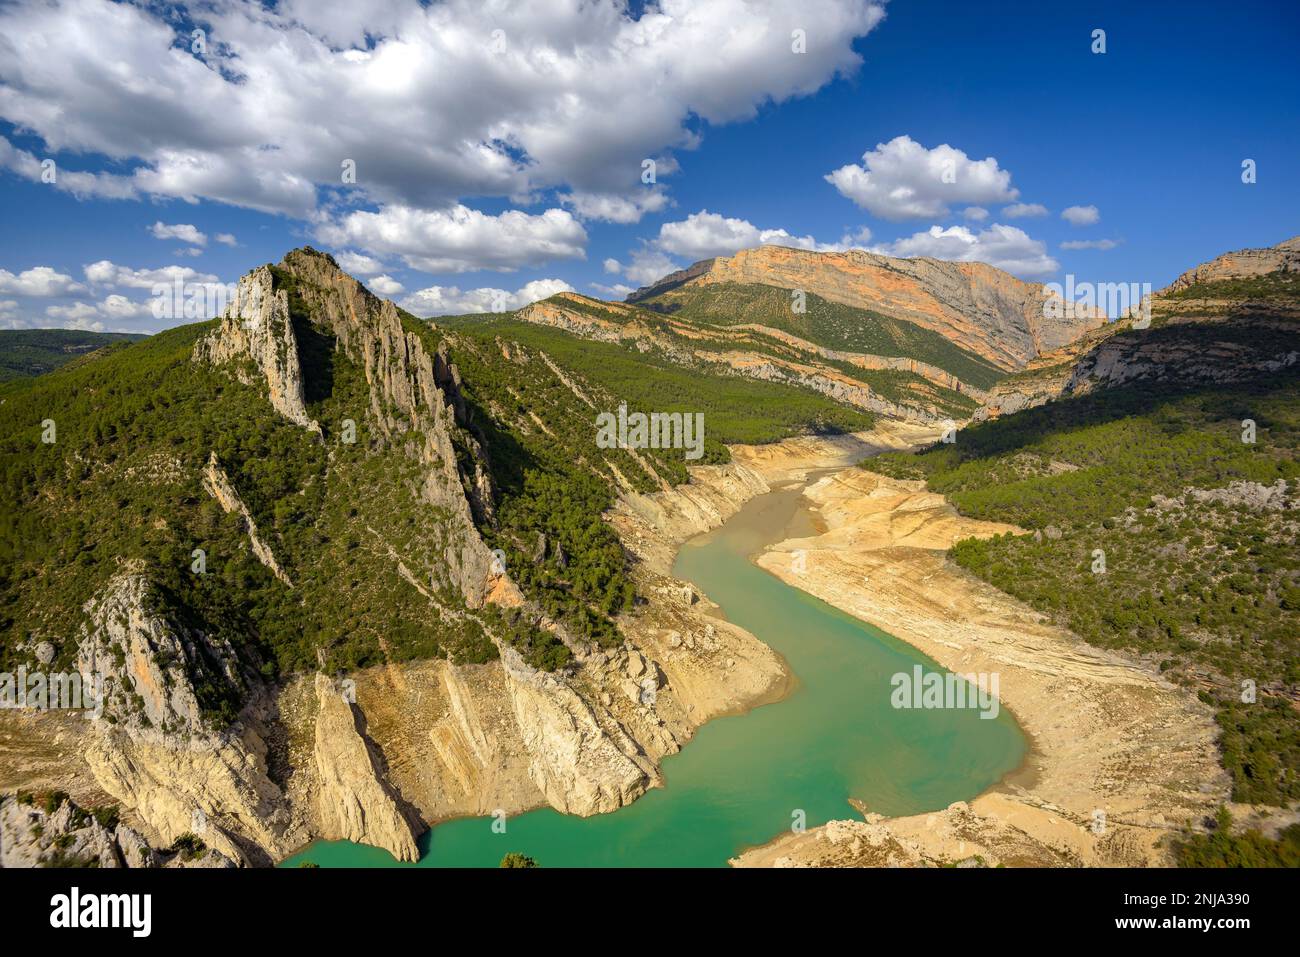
[977, 306]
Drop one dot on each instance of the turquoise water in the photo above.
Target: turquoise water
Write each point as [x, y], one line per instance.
[742, 779]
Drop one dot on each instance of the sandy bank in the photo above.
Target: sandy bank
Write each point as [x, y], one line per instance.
[1120, 759]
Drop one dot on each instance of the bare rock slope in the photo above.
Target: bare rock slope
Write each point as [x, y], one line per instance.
[980, 308]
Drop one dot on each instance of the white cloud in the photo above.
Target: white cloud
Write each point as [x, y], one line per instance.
[1081, 215]
[648, 265]
[82, 185]
[1090, 244]
[38, 281]
[451, 301]
[976, 214]
[185, 232]
[120, 307]
[617, 291]
[1021, 210]
[359, 265]
[106, 273]
[226, 239]
[613, 208]
[612, 265]
[385, 286]
[461, 239]
[902, 179]
[77, 315]
[418, 95]
[704, 235]
[1005, 247]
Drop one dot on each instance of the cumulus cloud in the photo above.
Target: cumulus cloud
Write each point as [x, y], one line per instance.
[704, 235]
[77, 315]
[1081, 215]
[902, 179]
[618, 290]
[431, 102]
[461, 239]
[185, 232]
[1005, 247]
[120, 307]
[226, 239]
[38, 281]
[976, 214]
[613, 208]
[94, 317]
[647, 265]
[1021, 210]
[1090, 244]
[106, 273]
[451, 301]
[385, 285]
[359, 265]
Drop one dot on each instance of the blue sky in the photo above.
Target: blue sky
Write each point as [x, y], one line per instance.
[495, 169]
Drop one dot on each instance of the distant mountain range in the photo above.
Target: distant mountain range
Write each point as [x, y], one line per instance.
[914, 338]
[1232, 319]
[29, 352]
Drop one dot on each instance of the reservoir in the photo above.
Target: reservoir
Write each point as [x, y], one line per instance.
[745, 779]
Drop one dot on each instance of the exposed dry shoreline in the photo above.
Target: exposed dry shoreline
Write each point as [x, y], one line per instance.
[434, 740]
[1119, 759]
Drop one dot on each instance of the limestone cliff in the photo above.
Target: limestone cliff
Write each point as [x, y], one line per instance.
[580, 764]
[354, 802]
[218, 485]
[1243, 263]
[414, 396]
[157, 750]
[33, 835]
[256, 327]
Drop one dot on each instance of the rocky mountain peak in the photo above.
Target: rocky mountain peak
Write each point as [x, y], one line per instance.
[414, 391]
[256, 327]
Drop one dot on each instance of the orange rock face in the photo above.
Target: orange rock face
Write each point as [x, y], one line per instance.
[980, 308]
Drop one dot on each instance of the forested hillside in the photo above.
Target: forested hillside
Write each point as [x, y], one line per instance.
[118, 484]
[831, 324]
[1160, 519]
[29, 352]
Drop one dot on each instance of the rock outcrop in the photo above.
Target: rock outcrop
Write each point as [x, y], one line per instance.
[32, 835]
[580, 763]
[256, 327]
[1176, 337]
[354, 801]
[1242, 264]
[157, 750]
[218, 485]
[414, 399]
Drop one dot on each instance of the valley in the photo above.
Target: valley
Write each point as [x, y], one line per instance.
[351, 574]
